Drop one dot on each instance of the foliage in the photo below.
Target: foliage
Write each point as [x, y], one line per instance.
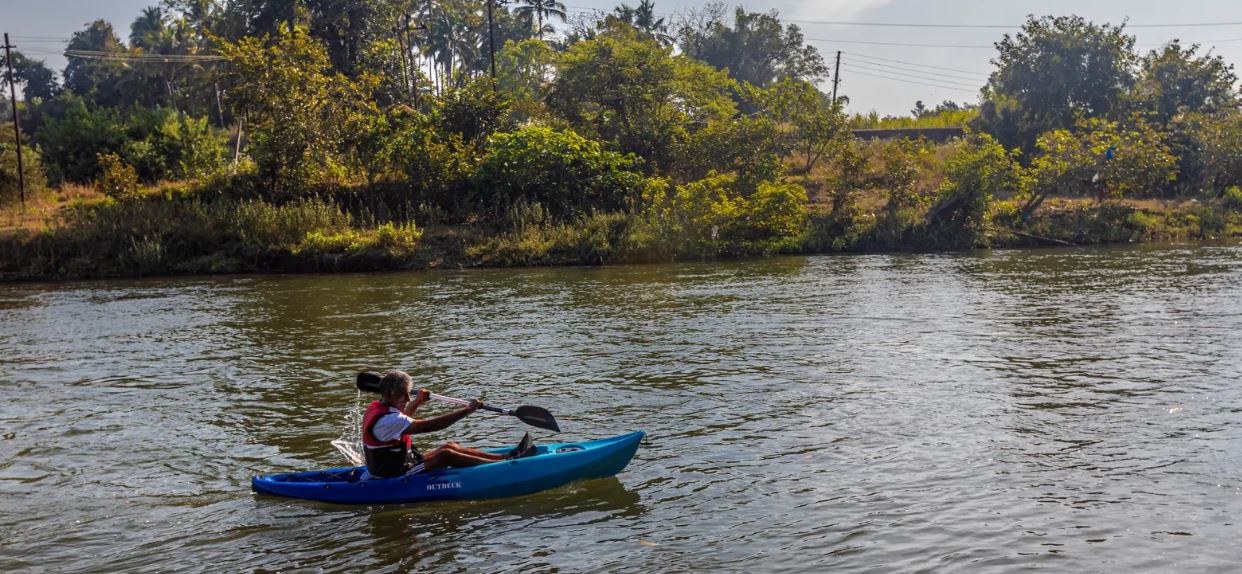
[776, 210]
[159, 142]
[523, 69]
[298, 109]
[707, 215]
[811, 122]
[750, 148]
[474, 111]
[1209, 150]
[32, 167]
[390, 239]
[1056, 71]
[118, 179]
[101, 81]
[944, 118]
[72, 143]
[980, 168]
[634, 94]
[643, 18]
[757, 49]
[36, 80]
[1106, 159]
[564, 172]
[1173, 80]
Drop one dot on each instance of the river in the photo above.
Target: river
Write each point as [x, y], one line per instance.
[1064, 409]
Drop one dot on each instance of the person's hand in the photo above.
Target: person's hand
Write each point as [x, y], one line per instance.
[423, 396]
[474, 405]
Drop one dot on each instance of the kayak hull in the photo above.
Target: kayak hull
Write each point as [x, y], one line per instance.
[554, 465]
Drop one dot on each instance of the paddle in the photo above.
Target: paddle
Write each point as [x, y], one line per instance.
[533, 416]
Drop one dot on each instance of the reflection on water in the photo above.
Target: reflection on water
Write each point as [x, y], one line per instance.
[1073, 409]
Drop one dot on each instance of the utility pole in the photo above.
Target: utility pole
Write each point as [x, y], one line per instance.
[17, 130]
[491, 41]
[836, 78]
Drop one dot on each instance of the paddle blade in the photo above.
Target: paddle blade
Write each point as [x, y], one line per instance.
[537, 417]
[369, 382]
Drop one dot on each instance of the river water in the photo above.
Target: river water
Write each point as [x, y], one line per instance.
[1069, 410]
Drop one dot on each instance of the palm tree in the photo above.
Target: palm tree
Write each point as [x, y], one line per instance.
[540, 9]
[147, 28]
[643, 18]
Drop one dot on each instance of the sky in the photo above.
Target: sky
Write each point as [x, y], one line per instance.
[876, 73]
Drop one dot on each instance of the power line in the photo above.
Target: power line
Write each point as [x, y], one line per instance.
[902, 80]
[904, 44]
[141, 57]
[870, 57]
[901, 77]
[895, 72]
[914, 70]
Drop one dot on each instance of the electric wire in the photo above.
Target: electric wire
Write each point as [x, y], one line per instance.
[907, 81]
[921, 65]
[923, 77]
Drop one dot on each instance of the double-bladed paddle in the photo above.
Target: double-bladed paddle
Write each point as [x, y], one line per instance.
[533, 416]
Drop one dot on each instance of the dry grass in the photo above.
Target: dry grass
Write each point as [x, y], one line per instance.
[41, 208]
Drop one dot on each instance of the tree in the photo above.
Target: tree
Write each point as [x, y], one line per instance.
[36, 80]
[299, 110]
[1106, 159]
[1173, 80]
[524, 69]
[536, 11]
[643, 18]
[632, 92]
[1055, 72]
[757, 49]
[812, 122]
[99, 80]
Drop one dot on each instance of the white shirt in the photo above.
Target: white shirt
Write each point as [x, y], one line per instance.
[390, 426]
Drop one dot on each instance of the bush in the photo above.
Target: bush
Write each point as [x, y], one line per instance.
[565, 172]
[776, 210]
[980, 168]
[118, 180]
[1232, 198]
[32, 168]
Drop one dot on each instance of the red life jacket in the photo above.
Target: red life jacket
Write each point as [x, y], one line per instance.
[374, 411]
[386, 458]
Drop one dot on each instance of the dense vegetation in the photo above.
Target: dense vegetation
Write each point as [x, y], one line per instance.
[366, 134]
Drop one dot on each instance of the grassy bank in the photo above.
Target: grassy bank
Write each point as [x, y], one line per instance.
[76, 233]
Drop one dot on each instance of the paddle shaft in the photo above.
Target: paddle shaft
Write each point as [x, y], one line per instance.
[445, 399]
[534, 416]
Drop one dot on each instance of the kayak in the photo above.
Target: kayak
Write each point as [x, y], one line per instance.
[551, 466]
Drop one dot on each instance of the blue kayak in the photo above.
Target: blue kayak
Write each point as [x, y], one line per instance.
[551, 466]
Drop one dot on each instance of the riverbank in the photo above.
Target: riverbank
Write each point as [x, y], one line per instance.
[76, 233]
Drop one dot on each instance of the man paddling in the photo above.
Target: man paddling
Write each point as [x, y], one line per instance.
[389, 422]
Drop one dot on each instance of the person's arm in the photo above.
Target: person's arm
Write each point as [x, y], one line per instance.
[419, 398]
[443, 421]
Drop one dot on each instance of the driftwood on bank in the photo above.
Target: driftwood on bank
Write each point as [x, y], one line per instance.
[1039, 238]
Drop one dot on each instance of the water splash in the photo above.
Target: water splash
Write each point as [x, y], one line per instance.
[350, 442]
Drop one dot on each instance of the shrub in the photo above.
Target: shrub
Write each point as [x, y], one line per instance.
[776, 210]
[980, 168]
[1232, 198]
[118, 180]
[565, 172]
[32, 168]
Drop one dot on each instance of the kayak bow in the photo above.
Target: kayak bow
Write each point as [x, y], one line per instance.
[553, 465]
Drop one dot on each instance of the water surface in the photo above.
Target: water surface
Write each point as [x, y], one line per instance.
[1069, 409]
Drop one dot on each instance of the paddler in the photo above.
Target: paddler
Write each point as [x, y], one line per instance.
[389, 422]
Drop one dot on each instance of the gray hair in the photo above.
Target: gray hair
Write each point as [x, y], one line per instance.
[394, 382]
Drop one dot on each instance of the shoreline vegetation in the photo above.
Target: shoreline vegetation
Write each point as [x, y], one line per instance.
[318, 142]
